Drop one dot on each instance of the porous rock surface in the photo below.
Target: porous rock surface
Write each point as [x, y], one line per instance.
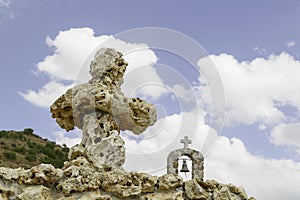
[79, 179]
[101, 110]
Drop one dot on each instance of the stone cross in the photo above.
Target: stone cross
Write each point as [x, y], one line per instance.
[100, 109]
[186, 141]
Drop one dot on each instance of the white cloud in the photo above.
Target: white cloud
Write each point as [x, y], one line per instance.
[290, 43]
[142, 81]
[181, 92]
[46, 95]
[61, 138]
[287, 135]
[230, 162]
[73, 51]
[254, 90]
[72, 47]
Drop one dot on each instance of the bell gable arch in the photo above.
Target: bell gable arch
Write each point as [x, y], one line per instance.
[197, 162]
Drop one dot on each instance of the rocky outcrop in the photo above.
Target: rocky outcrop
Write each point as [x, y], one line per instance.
[80, 179]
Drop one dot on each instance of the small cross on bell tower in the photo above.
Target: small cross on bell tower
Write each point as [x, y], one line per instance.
[186, 141]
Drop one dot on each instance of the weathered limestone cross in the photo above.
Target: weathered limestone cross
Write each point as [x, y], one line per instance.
[186, 141]
[100, 109]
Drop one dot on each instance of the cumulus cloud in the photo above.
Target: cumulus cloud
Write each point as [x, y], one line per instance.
[186, 94]
[230, 162]
[73, 51]
[255, 90]
[72, 47]
[287, 135]
[62, 138]
[46, 95]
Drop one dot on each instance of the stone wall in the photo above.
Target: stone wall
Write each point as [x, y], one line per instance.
[79, 179]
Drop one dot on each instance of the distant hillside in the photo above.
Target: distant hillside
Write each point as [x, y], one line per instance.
[25, 149]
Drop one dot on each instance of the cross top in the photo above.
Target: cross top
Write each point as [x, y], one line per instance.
[185, 141]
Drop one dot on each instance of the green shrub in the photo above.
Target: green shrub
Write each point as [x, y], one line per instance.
[19, 149]
[57, 163]
[28, 131]
[50, 145]
[3, 134]
[10, 155]
[32, 145]
[21, 136]
[66, 149]
[12, 135]
[59, 153]
[32, 152]
[30, 158]
[49, 152]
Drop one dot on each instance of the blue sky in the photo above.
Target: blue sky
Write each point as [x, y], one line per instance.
[259, 37]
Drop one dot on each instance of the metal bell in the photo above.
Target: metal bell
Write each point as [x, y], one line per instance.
[184, 167]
